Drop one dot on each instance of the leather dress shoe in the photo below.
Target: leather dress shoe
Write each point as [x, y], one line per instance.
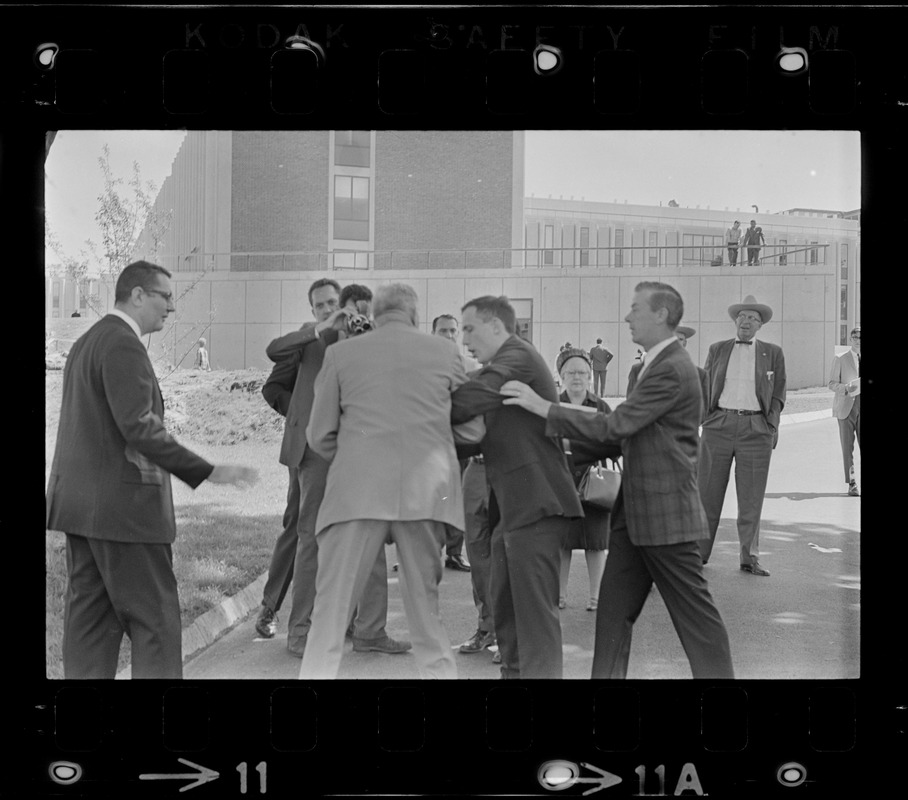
[457, 562]
[266, 624]
[296, 648]
[853, 490]
[755, 569]
[478, 642]
[496, 659]
[384, 645]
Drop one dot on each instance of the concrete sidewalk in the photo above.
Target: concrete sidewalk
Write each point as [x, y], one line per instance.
[222, 642]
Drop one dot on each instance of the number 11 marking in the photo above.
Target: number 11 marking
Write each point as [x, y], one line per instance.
[262, 771]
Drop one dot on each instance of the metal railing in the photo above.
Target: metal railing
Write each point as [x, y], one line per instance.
[641, 256]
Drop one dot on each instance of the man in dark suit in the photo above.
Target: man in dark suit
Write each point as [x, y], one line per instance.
[746, 396]
[532, 498]
[657, 520]
[110, 493]
[309, 344]
[682, 334]
[601, 357]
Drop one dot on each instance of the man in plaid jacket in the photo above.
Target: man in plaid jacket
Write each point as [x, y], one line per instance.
[658, 518]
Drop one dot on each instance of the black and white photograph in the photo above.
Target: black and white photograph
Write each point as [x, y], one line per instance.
[456, 404]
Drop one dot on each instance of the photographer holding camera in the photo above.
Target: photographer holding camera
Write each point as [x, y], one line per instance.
[298, 357]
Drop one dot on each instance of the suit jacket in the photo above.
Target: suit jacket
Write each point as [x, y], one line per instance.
[278, 388]
[382, 417]
[601, 356]
[704, 385]
[110, 476]
[769, 378]
[844, 369]
[657, 429]
[309, 350]
[526, 468]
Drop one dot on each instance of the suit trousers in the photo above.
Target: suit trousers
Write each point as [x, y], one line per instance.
[524, 589]
[280, 571]
[115, 588]
[478, 536]
[746, 440]
[347, 552]
[849, 428]
[630, 571]
[599, 382]
[372, 613]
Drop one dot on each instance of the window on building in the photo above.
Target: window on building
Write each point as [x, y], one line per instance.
[351, 208]
[653, 254]
[548, 242]
[814, 254]
[844, 264]
[843, 309]
[843, 334]
[351, 148]
[619, 242]
[700, 249]
[584, 243]
[783, 252]
[55, 303]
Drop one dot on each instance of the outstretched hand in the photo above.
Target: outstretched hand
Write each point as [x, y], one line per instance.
[519, 394]
[234, 474]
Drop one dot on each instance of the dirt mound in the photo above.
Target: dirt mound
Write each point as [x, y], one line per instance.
[218, 407]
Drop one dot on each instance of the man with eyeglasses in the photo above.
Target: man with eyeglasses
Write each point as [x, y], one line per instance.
[845, 381]
[109, 490]
[746, 397]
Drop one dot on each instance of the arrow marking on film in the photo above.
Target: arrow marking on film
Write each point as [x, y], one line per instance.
[202, 776]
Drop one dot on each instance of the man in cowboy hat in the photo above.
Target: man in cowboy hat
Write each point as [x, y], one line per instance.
[746, 396]
[845, 381]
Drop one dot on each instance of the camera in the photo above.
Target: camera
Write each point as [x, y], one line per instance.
[358, 324]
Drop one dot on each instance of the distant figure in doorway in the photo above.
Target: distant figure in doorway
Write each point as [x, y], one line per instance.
[845, 381]
[600, 357]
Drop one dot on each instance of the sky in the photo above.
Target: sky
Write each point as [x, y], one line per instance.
[774, 170]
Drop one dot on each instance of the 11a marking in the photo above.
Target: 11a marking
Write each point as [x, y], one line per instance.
[262, 771]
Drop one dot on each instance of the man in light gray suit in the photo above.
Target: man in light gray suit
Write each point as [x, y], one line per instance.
[845, 381]
[381, 417]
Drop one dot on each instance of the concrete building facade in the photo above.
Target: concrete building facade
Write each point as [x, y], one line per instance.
[258, 216]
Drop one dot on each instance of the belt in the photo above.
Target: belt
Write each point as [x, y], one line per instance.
[477, 460]
[741, 412]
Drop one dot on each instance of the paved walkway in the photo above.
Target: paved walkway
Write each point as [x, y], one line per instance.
[801, 622]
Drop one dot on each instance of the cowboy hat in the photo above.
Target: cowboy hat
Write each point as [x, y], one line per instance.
[750, 304]
[685, 331]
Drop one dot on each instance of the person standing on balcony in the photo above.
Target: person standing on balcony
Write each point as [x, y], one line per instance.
[733, 241]
[753, 241]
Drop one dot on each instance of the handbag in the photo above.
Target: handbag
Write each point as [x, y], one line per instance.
[599, 486]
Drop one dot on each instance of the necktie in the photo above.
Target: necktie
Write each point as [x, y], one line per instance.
[739, 341]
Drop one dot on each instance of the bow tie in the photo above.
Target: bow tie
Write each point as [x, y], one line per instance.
[739, 341]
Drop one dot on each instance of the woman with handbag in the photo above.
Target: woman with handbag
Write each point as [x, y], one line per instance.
[590, 533]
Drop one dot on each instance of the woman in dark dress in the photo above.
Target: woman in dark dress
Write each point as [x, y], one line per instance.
[591, 533]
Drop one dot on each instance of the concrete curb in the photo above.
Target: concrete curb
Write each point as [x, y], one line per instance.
[219, 620]
[215, 623]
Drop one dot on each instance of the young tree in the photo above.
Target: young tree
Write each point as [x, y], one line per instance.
[125, 213]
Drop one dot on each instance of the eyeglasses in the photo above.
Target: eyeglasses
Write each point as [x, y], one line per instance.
[573, 373]
[752, 317]
[855, 336]
[168, 296]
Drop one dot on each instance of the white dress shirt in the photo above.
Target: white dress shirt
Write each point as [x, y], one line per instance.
[740, 391]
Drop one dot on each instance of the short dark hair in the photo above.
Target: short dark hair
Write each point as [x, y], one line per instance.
[442, 316]
[323, 282]
[139, 273]
[598, 341]
[355, 292]
[664, 296]
[489, 307]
